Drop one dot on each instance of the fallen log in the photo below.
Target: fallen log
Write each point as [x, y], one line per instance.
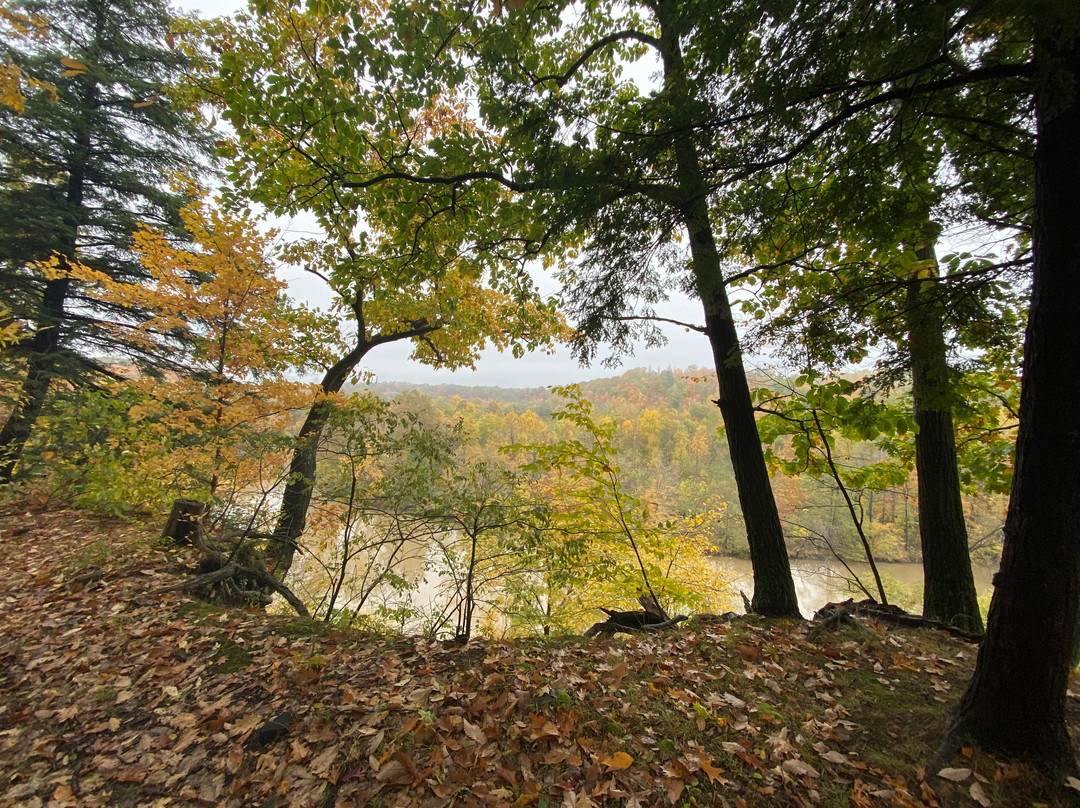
[835, 614]
[631, 623]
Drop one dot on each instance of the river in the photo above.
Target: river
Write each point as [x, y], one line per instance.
[820, 582]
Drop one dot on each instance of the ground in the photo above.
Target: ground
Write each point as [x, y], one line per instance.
[113, 695]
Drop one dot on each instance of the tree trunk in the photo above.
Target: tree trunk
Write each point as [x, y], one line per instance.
[47, 340]
[184, 521]
[949, 593]
[774, 588]
[1015, 704]
[41, 368]
[296, 498]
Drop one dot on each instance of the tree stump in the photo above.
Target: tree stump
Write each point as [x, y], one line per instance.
[184, 521]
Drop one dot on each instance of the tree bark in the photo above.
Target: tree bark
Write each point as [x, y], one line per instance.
[184, 521]
[1015, 704]
[949, 594]
[774, 588]
[296, 498]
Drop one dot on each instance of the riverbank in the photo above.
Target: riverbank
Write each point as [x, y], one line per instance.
[112, 695]
[821, 581]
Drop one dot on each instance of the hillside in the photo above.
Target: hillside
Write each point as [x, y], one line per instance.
[672, 454]
[114, 695]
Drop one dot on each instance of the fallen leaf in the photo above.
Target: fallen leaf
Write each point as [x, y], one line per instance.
[977, 794]
[376, 741]
[955, 775]
[712, 770]
[734, 701]
[749, 653]
[620, 760]
[673, 787]
[474, 732]
[799, 768]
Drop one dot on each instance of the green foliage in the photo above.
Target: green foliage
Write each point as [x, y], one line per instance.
[814, 414]
[99, 453]
[379, 465]
[438, 265]
[74, 161]
[602, 535]
[79, 169]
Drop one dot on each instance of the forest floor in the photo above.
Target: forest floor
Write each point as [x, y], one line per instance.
[113, 695]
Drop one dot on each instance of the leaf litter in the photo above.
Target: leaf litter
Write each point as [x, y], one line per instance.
[112, 696]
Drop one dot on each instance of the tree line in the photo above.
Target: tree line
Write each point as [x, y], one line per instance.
[803, 165]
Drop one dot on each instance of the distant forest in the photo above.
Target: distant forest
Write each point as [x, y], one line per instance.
[673, 456]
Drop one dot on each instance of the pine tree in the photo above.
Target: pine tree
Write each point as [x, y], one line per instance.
[78, 172]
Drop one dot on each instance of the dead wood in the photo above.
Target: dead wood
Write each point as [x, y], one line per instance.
[631, 623]
[231, 569]
[652, 607]
[184, 525]
[833, 614]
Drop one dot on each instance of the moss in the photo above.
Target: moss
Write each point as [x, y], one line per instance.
[301, 627]
[228, 656]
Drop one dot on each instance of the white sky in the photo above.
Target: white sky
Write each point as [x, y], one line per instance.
[391, 362]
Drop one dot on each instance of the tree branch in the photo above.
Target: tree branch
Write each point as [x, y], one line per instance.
[619, 36]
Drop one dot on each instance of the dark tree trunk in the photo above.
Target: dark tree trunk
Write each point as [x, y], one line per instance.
[46, 341]
[1015, 704]
[40, 370]
[774, 589]
[296, 498]
[949, 593]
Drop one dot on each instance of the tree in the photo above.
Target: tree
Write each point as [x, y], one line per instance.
[891, 301]
[77, 175]
[439, 270]
[218, 311]
[367, 542]
[813, 419]
[1015, 704]
[844, 234]
[614, 173]
[599, 539]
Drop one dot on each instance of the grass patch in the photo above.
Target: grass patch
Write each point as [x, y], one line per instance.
[302, 627]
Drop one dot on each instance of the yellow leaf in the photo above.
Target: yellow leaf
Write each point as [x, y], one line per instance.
[71, 64]
[141, 104]
[620, 760]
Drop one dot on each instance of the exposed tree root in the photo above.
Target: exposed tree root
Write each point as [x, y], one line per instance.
[232, 570]
[630, 623]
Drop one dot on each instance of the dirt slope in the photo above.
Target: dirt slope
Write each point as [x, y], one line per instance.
[113, 695]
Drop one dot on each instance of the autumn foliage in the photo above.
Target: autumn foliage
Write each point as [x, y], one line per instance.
[212, 425]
